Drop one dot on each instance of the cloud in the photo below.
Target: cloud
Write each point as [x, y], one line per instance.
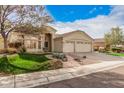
[93, 10]
[95, 27]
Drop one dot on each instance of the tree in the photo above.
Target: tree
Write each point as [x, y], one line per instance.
[117, 36]
[107, 38]
[114, 38]
[12, 17]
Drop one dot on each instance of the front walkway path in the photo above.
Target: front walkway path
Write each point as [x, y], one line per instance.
[46, 77]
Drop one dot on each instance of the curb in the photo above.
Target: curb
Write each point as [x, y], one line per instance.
[46, 77]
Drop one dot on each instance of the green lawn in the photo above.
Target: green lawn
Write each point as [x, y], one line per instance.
[117, 54]
[24, 63]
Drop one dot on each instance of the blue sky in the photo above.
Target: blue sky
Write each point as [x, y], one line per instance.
[95, 20]
[65, 13]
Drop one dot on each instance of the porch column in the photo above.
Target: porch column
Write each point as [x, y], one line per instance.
[52, 41]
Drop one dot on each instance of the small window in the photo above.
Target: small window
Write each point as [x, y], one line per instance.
[46, 44]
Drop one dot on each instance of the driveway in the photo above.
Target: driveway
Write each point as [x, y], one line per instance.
[91, 58]
[107, 79]
[99, 56]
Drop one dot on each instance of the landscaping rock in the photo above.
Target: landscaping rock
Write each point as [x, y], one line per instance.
[56, 64]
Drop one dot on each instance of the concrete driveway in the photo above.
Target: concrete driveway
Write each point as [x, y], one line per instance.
[99, 57]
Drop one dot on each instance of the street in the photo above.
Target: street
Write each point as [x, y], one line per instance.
[107, 79]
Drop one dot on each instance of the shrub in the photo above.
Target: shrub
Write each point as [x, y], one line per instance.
[9, 51]
[45, 66]
[116, 49]
[12, 50]
[2, 51]
[15, 45]
[22, 49]
[96, 49]
[5, 65]
[102, 50]
[61, 56]
[56, 64]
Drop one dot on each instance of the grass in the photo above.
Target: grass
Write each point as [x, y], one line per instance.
[24, 63]
[117, 54]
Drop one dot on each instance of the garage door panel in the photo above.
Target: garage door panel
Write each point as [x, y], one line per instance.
[68, 47]
[82, 47]
[77, 46]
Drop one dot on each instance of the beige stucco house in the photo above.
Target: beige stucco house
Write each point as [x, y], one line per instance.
[75, 41]
[48, 41]
[38, 42]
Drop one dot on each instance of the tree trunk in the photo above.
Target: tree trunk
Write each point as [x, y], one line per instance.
[5, 43]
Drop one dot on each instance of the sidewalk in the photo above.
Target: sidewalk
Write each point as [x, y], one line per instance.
[46, 77]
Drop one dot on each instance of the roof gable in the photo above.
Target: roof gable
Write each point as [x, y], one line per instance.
[69, 33]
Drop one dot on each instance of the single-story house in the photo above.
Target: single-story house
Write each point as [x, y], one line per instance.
[75, 41]
[36, 42]
[99, 43]
[48, 41]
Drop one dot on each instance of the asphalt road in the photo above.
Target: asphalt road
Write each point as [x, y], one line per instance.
[108, 79]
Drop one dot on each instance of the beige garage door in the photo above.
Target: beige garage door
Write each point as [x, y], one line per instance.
[68, 46]
[82, 46]
[76, 46]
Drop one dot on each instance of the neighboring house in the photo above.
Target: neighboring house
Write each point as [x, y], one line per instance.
[99, 44]
[36, 42]
[76, 41]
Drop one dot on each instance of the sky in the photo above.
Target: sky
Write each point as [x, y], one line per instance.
[95, 20]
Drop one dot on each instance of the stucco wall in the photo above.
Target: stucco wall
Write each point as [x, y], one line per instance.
[58, 45]
[1, 43]
[77, 36]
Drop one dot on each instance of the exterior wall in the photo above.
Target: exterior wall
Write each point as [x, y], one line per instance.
[13, 37]
[1, 43]
[77, 36]
[58, 45]
[92, 46]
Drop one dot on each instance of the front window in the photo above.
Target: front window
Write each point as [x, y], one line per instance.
[31, 44]
[46, 44]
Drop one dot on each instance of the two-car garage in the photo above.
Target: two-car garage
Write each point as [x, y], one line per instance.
[77, 46]
[76, 41]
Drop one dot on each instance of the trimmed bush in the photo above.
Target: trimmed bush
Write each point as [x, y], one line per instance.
[15, 45]
[22, 49]
[2, 51]
[56, 64]
[61, 56]
[116, 49]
